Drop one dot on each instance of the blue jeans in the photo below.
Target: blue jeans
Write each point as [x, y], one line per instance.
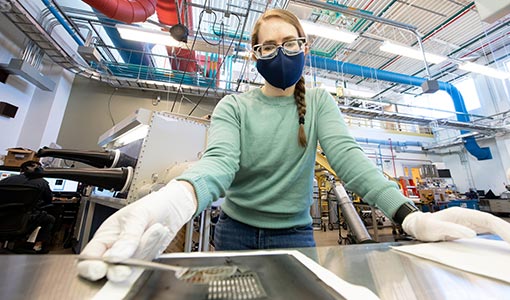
[230, 234]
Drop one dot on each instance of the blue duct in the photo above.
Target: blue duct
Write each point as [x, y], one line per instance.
[462, 114]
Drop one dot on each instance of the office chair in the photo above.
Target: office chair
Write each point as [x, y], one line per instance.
[16, 205]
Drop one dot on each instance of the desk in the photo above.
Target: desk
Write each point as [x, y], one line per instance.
[387, 273]
[94, 210]
[65, 211]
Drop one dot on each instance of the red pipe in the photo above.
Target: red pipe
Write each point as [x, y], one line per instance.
[169, 15]
[366, 6]
[130, 11]
[127, 11]
[485, 45]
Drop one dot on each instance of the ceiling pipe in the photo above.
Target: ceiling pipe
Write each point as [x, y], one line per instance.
[127, 11]
[343, 67]
[130, 11]
[62, 21]
[388, 143]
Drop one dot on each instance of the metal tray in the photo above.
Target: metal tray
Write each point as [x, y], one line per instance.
[279, 276]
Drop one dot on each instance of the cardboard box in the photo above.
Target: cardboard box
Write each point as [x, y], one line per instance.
[17, 156]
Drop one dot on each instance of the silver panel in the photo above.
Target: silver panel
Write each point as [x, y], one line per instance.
[171, 140]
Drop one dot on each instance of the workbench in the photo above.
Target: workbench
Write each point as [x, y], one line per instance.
[389, 274]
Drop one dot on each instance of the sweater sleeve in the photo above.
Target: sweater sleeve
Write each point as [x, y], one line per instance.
[215, 171]
[351, 165]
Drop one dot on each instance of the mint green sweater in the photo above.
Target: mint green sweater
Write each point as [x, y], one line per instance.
[253, 159]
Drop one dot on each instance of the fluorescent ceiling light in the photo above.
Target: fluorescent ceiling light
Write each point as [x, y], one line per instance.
[328, 31]
[406, 51]
[480, 69]
[151, 36]
[345, 92]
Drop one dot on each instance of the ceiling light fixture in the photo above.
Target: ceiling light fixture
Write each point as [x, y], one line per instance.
[328, 31]
[141, 34]
[406, 51]
[484, 70]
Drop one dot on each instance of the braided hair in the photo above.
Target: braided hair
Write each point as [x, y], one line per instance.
[299, 96]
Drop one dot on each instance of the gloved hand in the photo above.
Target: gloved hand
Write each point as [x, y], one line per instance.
[141, 230]
[454, 223]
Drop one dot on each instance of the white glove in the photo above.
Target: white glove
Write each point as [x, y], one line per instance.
[454, 223]
[141, 230]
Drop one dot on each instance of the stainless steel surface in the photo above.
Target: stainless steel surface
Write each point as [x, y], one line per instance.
[43, 277]
[389, 274]
[392, 275]
[198, 275]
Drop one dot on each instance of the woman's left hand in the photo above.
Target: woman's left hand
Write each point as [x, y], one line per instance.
[454, 223]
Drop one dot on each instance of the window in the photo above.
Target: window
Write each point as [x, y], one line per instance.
[467, 88]
[440, 104]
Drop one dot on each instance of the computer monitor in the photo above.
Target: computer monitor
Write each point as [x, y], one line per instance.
[57, 185]
[444, 173]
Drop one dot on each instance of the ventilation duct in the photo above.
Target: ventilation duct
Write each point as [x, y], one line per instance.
[26, 71]
[127, 11]
[366, 72]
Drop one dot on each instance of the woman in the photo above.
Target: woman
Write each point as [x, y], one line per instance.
[261, 156]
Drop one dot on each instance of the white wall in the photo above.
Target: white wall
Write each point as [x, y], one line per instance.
[15, 91]
[87, 115]
[467, 170]
[40, 113]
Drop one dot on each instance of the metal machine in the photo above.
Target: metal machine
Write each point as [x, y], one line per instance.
[357, 232]
[141, 154]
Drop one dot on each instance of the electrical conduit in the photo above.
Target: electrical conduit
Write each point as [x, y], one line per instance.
[62, 21]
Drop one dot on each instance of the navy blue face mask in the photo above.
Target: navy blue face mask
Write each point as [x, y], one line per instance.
[282, 71]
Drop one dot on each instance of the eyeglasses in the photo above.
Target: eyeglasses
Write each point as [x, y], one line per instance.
[290, 47]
